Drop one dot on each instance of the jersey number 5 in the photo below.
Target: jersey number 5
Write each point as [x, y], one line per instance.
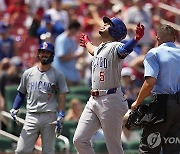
[102, 76]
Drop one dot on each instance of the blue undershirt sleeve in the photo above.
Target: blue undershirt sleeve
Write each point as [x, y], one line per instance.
[18, 101]
[126, 49]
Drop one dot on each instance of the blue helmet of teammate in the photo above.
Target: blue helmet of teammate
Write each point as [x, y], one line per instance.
[48, 47]
[117, 29]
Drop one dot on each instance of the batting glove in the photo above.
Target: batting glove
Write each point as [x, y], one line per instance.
[14, 114]
[59, 123]
[139, 32]
[84, 39]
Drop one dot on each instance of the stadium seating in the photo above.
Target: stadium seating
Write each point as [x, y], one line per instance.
[10, 94]
[67, 126]
[59, 146]
[71, 135]
[5, 144]
[100, 146]
[131, 152]
[81, 89]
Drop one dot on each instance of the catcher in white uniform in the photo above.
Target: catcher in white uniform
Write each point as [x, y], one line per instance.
[107, 105]
[45, 89]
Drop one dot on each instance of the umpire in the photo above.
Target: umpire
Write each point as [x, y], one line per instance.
[162, 78]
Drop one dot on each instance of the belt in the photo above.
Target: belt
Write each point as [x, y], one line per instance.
[169, 96]
[103, 92]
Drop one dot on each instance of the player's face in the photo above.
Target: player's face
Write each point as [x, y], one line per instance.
[104, 29]
[43, 56]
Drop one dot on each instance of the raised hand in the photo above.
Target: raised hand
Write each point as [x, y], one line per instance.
[139, 32]
[84, 39]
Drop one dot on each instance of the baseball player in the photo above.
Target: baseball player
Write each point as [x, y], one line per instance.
[45, 89]
[107, 105]
[162, 79]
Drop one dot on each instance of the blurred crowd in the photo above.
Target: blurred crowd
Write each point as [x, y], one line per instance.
[26, 23]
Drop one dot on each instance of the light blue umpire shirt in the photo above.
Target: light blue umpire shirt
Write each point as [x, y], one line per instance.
[163, 63]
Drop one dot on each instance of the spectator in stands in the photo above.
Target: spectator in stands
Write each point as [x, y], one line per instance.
[35, 5]
[58, 14]
[49, 30]
[130, 58]
[75, 110]
[120, 7]
[4, 65]
[67, 51]
[33, 22]
[117, 9]
[137, 65]
[16, 9]
[129, 88]
[139, 13]
[36, 9]
[17, 63]
[9, 75]
[2, 6]
[8, 47]
[91, 19]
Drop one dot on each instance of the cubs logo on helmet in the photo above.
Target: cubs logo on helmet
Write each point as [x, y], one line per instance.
[47, 46]
[117, 29]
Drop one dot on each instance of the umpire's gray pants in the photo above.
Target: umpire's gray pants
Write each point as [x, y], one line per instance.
[106, 112]
[35, 124]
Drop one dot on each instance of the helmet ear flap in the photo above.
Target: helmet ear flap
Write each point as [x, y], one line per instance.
[112, 32]
[117, 35]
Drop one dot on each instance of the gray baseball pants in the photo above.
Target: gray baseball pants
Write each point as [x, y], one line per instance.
[37, 123]
[106, 112]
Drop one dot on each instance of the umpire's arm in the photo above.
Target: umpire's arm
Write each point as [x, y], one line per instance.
[145, 91]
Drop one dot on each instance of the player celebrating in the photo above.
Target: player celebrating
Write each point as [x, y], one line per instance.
[107, 105]
[43, 86]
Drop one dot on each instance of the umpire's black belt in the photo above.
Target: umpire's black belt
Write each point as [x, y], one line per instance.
[175, 96]
[169, 96]
[103, 92]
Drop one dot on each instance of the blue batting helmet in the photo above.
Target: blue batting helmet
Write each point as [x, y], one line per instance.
[48, 47]
[117, 29]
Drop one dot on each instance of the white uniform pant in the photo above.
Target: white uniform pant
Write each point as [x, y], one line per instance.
[106, 112]
[35, 124]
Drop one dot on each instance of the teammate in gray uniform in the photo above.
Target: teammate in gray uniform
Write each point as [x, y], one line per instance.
[107, 105]
[45, 89]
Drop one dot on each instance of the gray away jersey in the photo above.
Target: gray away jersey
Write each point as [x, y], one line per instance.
[41, 97]
[106, 66]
